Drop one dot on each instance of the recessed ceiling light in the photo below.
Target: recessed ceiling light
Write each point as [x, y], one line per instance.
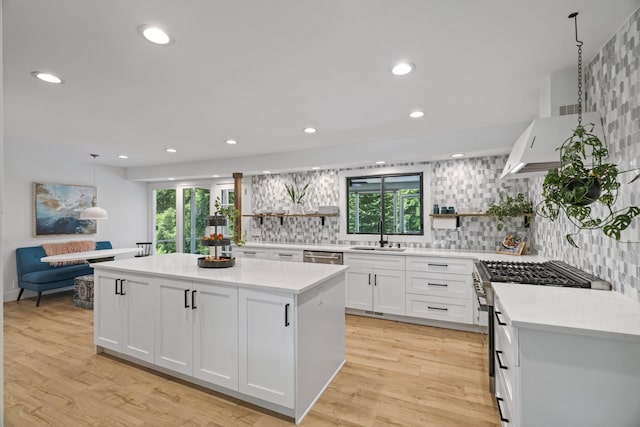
[315, 168]
[171, 150]
[123, 156]
[266, 171]
[380, 162]
[403, 68]
[457, 155]
[155, 35]
[310, 130]
[215, 176]
[47, 77]
[416, 114]
[171, 179]
[231, 141]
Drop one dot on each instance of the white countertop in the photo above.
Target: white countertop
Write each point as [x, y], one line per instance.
[292, 277]
[487, 256]
[597, 313]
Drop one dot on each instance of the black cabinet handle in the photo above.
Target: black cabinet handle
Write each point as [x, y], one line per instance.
[186, 298]
[193, 300]
[121, 286]
[502, 418]
[437, 308]
[286, 315]
[500, 322]
[437, 284]
[375, 280]
[117, 293]
[498, 353]
[431, 264]
[369, 278]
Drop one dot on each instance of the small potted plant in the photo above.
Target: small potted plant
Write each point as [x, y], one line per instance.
[582, 179]
[230, 214]
[296, 195]
[509, 206]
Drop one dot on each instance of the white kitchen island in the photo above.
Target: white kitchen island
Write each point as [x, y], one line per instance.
[267, 332]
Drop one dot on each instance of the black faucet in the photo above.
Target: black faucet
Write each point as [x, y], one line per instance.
[382, 241]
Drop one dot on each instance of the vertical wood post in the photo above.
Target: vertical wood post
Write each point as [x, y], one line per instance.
[237, 191]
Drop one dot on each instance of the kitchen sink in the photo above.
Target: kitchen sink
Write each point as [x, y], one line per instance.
[377, 249]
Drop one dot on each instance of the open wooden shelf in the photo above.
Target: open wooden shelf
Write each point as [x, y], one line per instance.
[283, 215]
[456, 216]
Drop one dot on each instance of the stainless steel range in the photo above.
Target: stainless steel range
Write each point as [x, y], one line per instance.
[550, 273]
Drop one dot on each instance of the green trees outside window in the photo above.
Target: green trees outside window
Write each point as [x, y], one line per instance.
[395, 198]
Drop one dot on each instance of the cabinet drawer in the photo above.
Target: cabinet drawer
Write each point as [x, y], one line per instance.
[437, 284]
[440, 264]
[439, 308]
[389, 262]
[506, 404]
[250, 253]
[285, 255]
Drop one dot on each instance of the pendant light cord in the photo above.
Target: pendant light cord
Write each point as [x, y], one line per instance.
[579, 43]
[94, 167]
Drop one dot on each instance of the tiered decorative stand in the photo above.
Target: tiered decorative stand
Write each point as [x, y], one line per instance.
[217, 261]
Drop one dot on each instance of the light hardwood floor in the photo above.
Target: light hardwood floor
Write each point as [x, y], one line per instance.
[396, 375]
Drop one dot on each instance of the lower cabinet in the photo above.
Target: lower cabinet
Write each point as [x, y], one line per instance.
[197, 331]
[375, 289]
[123, 321]
[266, 331]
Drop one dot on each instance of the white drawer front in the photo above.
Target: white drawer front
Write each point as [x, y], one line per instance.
[505, 401]
[251, 253]
[389, 262]
[439, 308]
[440, 264]
[440, 285]
[285, 255]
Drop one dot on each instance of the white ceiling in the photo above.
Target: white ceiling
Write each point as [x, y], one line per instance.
[261, 71]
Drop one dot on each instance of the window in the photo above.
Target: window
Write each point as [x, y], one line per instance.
[396, 200]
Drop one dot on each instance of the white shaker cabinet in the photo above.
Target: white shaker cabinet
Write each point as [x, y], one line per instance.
[373, 288]
[440, 289]
[123, 319]
[215, 334]
[197, 331]
[266, 330]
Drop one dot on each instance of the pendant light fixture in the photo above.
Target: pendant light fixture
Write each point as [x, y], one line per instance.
[94, 212]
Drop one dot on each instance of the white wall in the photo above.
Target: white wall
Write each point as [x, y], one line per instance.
[125, 201]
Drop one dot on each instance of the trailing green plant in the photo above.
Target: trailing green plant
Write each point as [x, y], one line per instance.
[509, 207]
[582, 179]
[231, 213]
[296, 194]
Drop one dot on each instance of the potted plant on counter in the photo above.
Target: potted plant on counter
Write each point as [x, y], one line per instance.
[582, 179]
[231, 214]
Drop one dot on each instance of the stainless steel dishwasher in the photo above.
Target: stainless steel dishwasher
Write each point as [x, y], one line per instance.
[322, 257]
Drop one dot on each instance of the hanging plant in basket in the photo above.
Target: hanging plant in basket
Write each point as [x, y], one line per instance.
[584, 178]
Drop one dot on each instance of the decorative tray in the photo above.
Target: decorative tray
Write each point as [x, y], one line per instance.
[222, 262]
[216, 242]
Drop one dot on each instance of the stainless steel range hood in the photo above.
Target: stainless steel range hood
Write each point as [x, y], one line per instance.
[535, 151]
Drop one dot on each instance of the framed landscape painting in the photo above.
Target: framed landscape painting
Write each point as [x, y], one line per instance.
[57, 209]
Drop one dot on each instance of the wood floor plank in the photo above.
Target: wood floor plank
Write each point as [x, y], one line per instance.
[396, 374]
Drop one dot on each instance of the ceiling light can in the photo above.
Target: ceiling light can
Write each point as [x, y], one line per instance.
[402, 68]
[310, 130]
[416, 114]
[155, 35]
[231, 141]
[171, 150]
[47, 77]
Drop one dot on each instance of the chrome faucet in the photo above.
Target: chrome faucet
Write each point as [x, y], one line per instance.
[382, 241]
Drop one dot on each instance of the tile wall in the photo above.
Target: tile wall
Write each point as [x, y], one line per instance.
[613, 89]
[470, 185]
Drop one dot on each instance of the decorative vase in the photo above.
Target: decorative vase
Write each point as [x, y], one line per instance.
[297, 209]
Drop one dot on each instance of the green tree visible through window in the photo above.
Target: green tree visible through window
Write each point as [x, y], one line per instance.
[165, 221]
[195, 222]
[401, 206]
